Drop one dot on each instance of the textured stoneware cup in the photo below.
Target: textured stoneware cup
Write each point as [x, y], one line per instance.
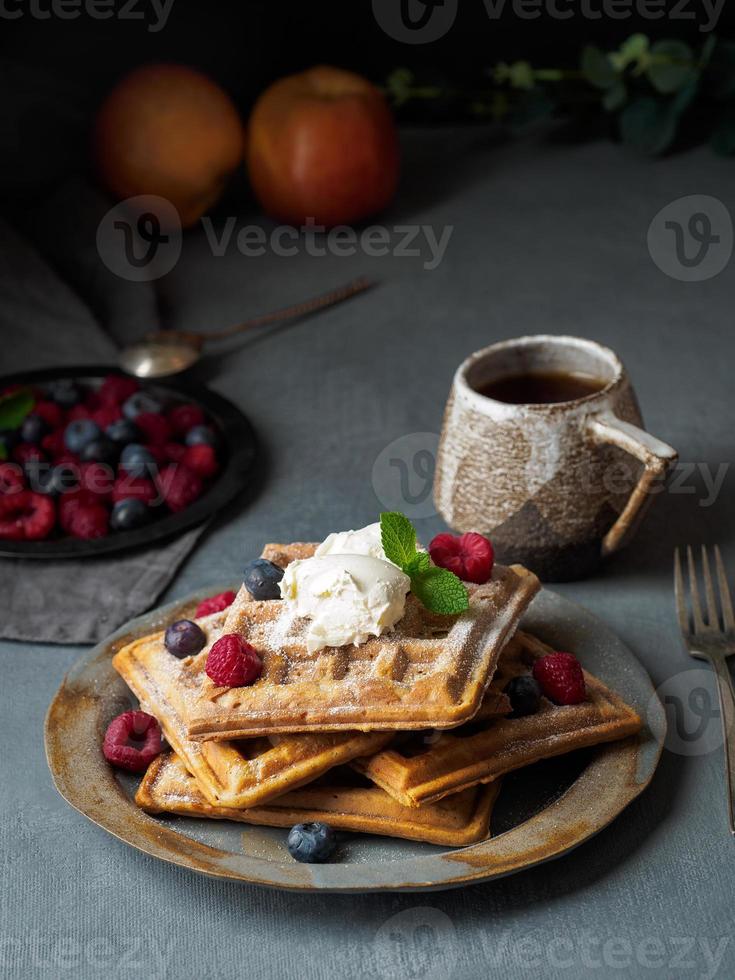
[555, 486]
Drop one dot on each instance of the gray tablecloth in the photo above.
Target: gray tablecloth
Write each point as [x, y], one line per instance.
[550, 239]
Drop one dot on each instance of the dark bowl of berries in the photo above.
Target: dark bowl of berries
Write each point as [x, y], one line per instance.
[93, 461]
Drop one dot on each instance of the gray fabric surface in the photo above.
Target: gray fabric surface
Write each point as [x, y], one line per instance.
[550, 238]
[44, 324]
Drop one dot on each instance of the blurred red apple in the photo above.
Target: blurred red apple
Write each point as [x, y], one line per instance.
[168, 130]
[322, 144]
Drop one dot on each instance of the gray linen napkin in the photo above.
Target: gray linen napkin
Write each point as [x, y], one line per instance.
[43, 323]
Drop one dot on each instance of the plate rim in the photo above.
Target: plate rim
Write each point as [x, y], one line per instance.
[623, 765]
[236, 476]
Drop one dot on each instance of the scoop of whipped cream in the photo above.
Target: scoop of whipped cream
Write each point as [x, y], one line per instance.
[366, 541]
[347, 597]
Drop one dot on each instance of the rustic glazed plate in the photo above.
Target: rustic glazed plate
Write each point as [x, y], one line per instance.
[581, 792]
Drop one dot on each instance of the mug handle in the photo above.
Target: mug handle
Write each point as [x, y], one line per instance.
[606, 429]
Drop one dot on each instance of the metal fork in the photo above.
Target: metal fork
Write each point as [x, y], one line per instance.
[713, 640]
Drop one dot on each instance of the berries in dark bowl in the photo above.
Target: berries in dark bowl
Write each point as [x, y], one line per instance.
[262, 578]
[112, 457]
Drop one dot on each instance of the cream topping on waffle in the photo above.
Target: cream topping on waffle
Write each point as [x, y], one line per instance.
[345, 598]
[366, 541]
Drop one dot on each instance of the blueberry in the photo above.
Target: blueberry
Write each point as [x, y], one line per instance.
[53, 480]
[311, 843]
[78, 433]
[102, 450]
[524, 694]
[137, 460]
[122, 432]
[201, 435]
[261, 579]
[33, 429]
[128, 514]
[141, 401]
[8, 439]
[65, 393]
[184, 638]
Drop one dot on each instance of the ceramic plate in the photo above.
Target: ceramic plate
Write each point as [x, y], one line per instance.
[581, 792]
[236, 474]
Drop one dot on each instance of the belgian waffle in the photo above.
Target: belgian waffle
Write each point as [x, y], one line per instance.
[462, 819]
[425, 769]
[234, 774]
[429, 671]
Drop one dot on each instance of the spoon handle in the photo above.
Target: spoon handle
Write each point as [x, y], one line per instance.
[297, 310]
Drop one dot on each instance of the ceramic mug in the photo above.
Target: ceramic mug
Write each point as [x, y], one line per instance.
[553, 485]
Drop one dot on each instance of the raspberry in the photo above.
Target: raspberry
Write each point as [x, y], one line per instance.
[11, 478]
[106, 415]
[92, 401]
[470, 555]
[561, 678]
[26, 516]
[78, 412]
[132, 741]
[97, 479]
[127, 486]
[53, 444]
[50, 412]
[214, 604]
[185, 417]
[155, 428]
[24, 453]
[174, 452]
[201, 460]
[178, 486]
[68, 503]
[89, 521]
[116, 389]
[231, 662]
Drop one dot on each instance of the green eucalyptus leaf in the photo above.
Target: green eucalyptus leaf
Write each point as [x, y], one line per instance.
[722, 140]
[685, 96]
[615, 97]
[14, 408]
[534, 106]
[671, 66]
[707, 49]
[632, 51]
[521, 75]
[721, 70]
[597, 67]
[648, 126]
[399, 84]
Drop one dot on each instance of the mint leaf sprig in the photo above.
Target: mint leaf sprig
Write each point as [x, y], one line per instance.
[438, 589]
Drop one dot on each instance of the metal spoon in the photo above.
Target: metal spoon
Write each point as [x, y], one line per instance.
[168, 352]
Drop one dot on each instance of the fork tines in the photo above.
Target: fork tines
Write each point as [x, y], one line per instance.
[718, 619]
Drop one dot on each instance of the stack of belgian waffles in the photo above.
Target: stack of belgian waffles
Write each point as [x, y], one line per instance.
[406, 735]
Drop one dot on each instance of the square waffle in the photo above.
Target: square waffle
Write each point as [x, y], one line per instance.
[234, 774]
[429, 671]
[422, 770]
[168, 787]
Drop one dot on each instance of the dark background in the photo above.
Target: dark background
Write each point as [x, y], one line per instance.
[56, 71]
